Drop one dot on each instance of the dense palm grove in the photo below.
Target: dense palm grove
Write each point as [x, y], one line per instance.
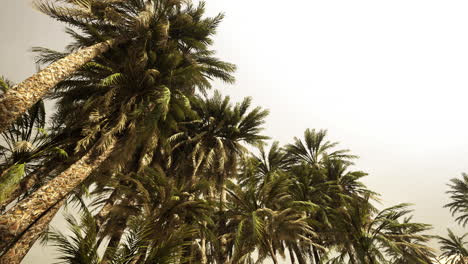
[164, 170]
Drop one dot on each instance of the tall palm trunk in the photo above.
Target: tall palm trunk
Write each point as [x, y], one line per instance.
[21, 97]
[16, 253]
[21, 216]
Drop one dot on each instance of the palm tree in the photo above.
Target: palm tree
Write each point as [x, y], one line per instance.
[17, 100]
[314, 149]
[89, 15]
[459, 196]
[453, 248]
[114, 108]
[321, 179]
[215, 143]
[109, 22]
[264, 219]
[372, 237]
[82, 246]
[215, 140]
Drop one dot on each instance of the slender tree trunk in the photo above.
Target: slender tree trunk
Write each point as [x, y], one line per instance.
[21, 216]
[16, 253]
[21, 97]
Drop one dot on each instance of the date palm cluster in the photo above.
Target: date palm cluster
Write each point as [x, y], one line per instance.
[165, 170]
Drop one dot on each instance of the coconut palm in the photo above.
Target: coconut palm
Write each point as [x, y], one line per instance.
[128, 91]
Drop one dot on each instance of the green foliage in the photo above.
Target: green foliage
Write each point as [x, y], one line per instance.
[453, 248]
[9, 180]
[459, 199]
[181, 185]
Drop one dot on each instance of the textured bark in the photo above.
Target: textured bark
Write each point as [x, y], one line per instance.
[16, 254]
[21, 97]
[18, 219]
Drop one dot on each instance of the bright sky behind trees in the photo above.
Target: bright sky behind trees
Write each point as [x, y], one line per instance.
[388, 79]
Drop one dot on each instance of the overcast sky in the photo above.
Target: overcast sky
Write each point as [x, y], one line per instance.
[388, 79]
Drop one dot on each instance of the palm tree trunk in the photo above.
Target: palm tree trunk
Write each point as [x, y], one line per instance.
[21, 216]
[21, 97]
[16, 253]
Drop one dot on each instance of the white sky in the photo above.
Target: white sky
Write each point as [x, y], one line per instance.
[388, 79]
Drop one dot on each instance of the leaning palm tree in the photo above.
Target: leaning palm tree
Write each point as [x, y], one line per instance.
[17, 100]
[130, 93]
[453, 248]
